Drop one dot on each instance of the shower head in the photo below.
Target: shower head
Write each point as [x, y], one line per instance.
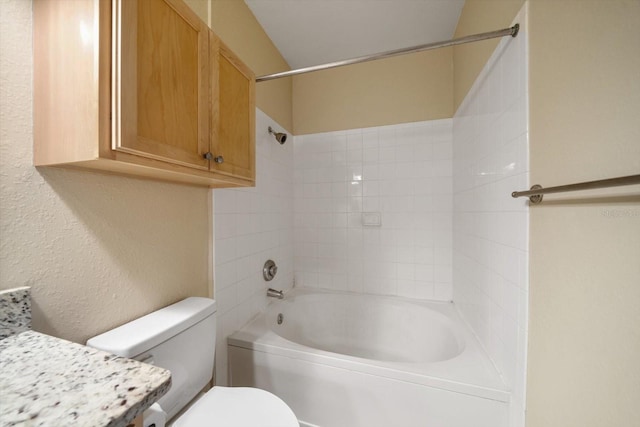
[280, 137]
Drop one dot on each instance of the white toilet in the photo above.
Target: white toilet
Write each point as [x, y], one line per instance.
[181, 338]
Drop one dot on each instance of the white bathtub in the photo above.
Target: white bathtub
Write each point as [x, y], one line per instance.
[340, 359]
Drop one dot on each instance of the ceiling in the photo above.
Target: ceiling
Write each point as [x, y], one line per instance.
[311, 32]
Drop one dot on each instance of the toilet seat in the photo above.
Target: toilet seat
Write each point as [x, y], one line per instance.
[238, 407]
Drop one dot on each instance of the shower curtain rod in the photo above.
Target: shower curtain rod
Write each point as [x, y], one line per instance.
[511, 31]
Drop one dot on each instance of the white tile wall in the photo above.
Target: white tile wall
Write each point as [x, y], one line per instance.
[403, 172]
[252, 225]
[490, 229]
[449, 226]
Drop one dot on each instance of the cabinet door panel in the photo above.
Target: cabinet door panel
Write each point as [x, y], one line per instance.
[162, 82]
[234, 120]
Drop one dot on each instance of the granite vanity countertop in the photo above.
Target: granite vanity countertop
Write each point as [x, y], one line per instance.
[47, 381]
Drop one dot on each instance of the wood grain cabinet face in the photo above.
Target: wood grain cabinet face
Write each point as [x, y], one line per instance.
[154, 91]
[233, 122]
[163, 83]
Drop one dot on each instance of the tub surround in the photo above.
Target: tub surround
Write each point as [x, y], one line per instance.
[15, 311]
[252, 225]
[490, 228]
[401, 174]
[49, 381]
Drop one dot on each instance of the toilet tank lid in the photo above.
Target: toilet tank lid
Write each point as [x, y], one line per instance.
[140, 335]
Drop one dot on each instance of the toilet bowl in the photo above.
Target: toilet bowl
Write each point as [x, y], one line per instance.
[181, 338]
[238, 407]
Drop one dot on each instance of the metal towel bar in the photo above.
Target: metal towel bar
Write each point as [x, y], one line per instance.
[536, 191]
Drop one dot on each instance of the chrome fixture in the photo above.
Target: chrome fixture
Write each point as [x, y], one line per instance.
[273, 293]
[269, 270]
[280, 137]
[536, 192]
[511, 31]
[280, 319]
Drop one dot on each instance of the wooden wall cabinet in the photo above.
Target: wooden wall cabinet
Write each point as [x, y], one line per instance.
[142, 88]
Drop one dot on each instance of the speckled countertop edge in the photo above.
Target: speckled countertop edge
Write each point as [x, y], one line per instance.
[47, 381]
[15, 311]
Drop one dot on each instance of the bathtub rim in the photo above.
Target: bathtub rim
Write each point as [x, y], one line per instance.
[471, 372]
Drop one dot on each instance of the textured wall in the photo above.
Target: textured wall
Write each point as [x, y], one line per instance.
[97, 250]
[584, 326]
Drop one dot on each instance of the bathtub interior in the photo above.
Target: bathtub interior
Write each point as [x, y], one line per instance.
[370, 328]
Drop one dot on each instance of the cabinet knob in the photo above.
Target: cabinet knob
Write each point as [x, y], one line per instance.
[217, 159]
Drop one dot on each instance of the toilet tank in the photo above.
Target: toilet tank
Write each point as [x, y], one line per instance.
[180, 338]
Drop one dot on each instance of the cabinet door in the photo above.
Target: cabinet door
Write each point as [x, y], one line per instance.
[162, 82]
[233, 121]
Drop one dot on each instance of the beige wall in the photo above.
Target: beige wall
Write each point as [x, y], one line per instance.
[97, 250]
[584, 339]
[201, 8]
[425, 86]
[404, 89]
[234, 22]
[478, 16]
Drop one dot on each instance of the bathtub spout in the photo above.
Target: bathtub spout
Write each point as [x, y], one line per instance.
[275, 293]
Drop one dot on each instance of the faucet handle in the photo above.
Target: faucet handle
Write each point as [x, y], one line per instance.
[273, 270]
[269, 270]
